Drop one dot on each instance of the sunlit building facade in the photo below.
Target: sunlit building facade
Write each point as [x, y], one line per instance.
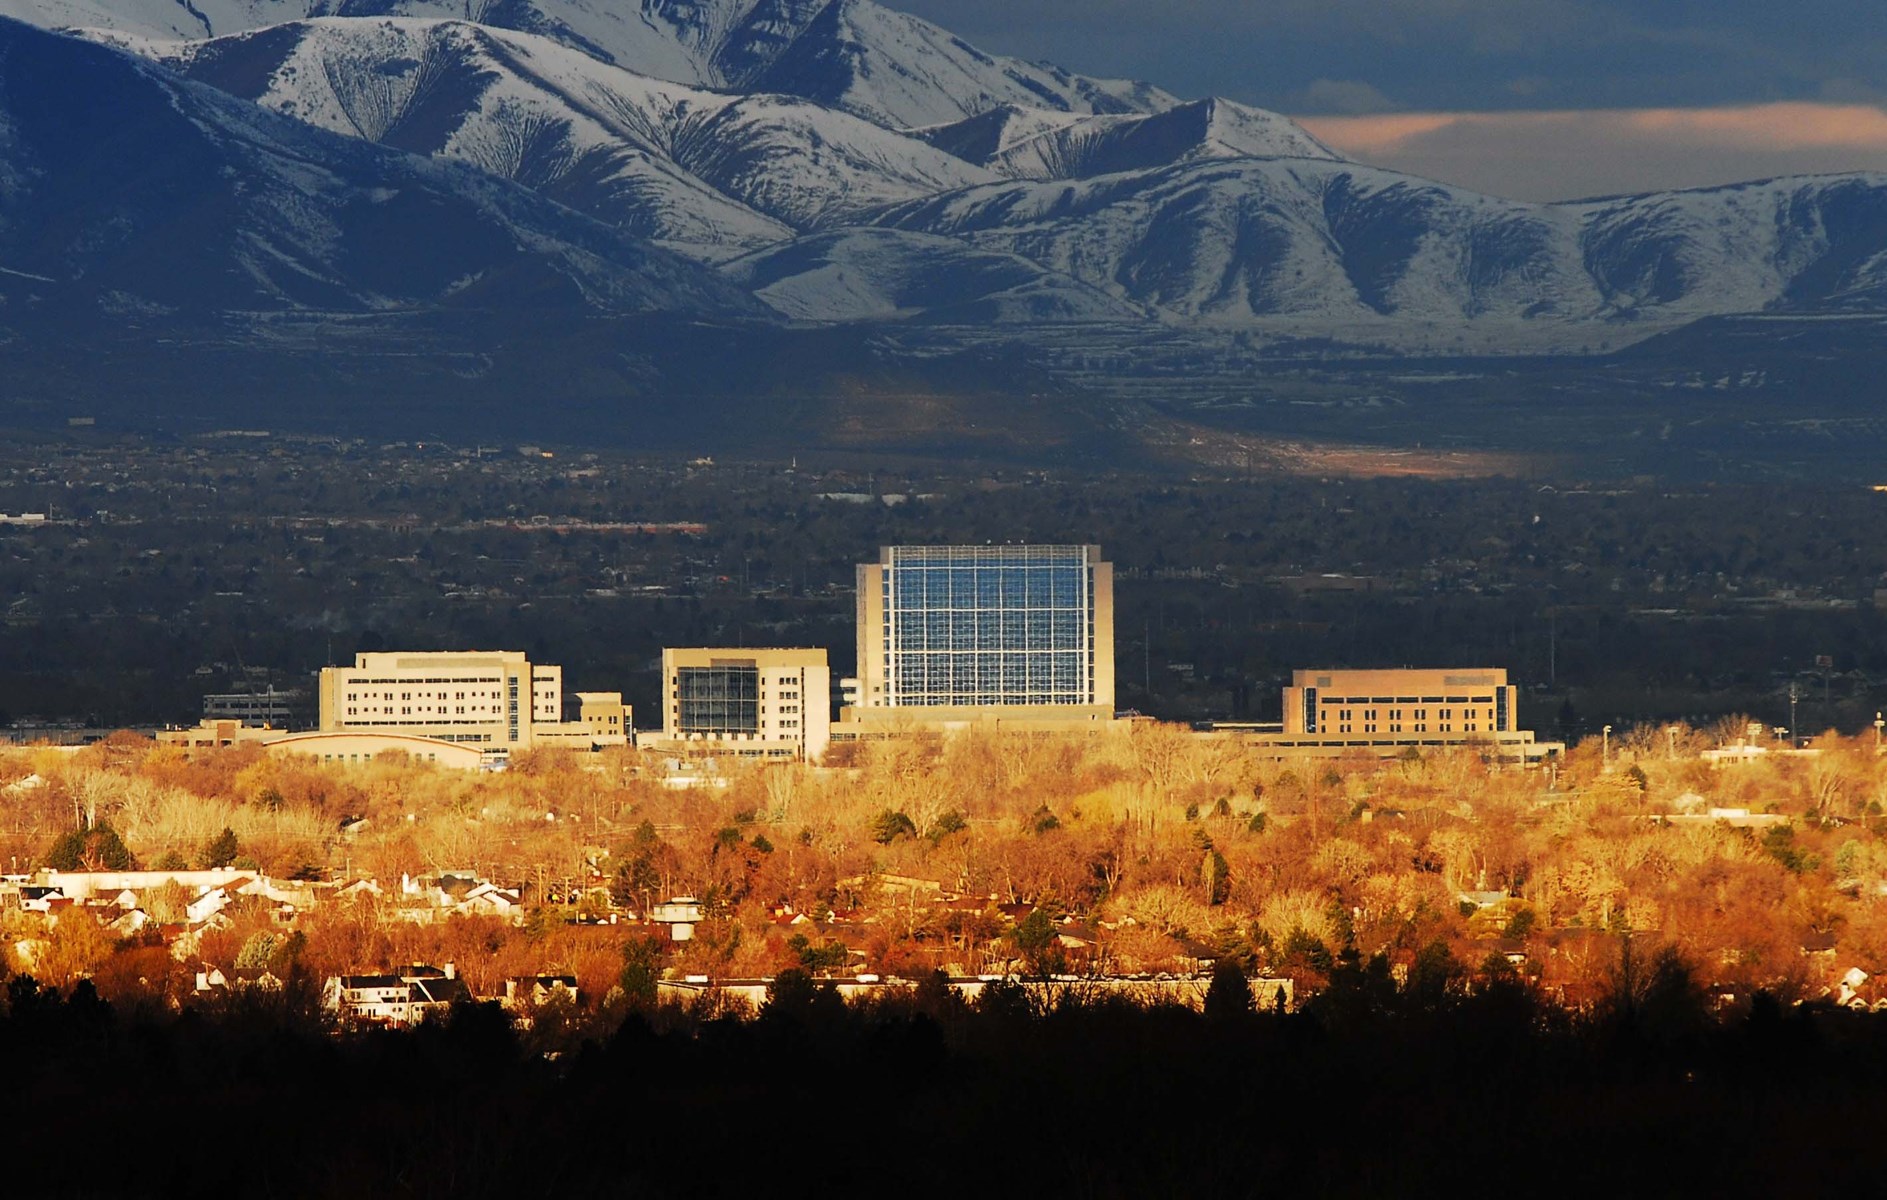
[771, 703]
[969, 634]
[1384, 713]
[496, 700]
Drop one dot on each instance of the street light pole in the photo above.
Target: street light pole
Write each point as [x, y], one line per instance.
[1878, 722]
[1605, 750]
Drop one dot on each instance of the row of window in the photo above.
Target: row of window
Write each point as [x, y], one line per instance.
[1396, 714]
[1417, 727]
[437, 710]
[461, 680]
[1408, 700]
[367, 719]
[383, 696]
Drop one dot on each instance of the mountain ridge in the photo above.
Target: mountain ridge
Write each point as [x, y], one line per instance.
[711, 172]
[135, 189]
[887, 66]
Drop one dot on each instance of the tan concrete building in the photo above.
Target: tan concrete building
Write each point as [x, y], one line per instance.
[1018, 637]
[487, 698]
[210, 734]
[495, 700]
[602, 719]
[773, 703]
[1386, 712]
[431, 706]
[353, 749]
[340, 747]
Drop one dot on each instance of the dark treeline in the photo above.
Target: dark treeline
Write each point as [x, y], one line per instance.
[1424, 1087]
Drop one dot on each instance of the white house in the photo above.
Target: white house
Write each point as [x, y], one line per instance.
[396, 999]
[681, 915]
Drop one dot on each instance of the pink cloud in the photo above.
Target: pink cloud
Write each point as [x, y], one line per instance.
[1559, 155]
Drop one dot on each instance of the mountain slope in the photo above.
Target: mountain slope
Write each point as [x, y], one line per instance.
[887, 275]
[887, 66]
[123, 185]
[1248, 241]
[1022, 143]
[711, 172]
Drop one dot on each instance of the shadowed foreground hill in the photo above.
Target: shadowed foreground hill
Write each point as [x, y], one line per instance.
[1424, 1090]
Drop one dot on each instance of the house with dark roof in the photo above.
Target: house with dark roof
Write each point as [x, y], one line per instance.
[404, 997]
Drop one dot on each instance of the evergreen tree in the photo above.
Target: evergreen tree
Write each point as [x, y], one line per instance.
[221, 850]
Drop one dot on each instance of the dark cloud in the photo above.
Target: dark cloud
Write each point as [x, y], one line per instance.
[1451, 54]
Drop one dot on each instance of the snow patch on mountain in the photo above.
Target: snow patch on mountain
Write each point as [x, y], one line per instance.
[706, 171]
[1251, 241]
[905, 72]
[887, 66]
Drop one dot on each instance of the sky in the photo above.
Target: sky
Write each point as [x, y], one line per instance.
[1533, 99]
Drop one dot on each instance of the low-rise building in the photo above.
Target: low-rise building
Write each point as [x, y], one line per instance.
[600, 719]
[348, 748]
[483, 698]
[269, 708]
[497, 701]
[338, 747]
[1331, 713]
[772, 703]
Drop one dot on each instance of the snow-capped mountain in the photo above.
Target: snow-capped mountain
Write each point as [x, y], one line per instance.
[1242, 241]
[887, 66]
[711, 172]
[123, 185]
[1033, 143]
[844, 162]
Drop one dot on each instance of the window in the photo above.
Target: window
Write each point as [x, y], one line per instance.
[721, 698]
[988, 625]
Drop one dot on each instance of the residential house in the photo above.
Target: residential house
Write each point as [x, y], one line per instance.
[534, 991]
[401, 998]
[39, 899]
[488, 899]
[215, 979]
[681, 915]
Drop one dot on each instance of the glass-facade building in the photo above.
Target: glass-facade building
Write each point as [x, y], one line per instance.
[763, 702]
[723, 697]
[986, 626]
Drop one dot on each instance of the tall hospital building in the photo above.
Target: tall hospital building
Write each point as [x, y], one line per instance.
[988, 636]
